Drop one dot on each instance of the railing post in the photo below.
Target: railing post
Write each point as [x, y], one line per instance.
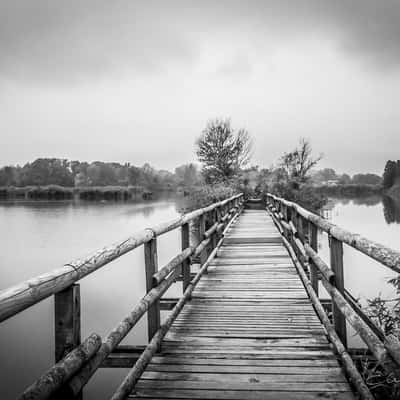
[67, 307]
[218, 216]
[214, 235]
[202, 229]
[336, 258]
[151, 265]
[313, 241]
[67, 323]
[186, 264]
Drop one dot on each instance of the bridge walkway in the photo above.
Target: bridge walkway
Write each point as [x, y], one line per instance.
[250, 330]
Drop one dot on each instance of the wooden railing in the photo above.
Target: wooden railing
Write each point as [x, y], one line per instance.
[299, 229]
[77, 361]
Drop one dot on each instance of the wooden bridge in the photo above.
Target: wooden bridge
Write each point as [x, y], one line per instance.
[249, 324]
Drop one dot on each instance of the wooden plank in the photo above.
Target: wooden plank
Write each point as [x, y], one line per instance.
[249, 332]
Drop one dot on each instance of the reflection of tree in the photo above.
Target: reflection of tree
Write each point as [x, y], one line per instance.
[367, 201]
[391, 210]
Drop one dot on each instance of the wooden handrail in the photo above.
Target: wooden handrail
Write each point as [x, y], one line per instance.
[347, 361]
[379, 252]
[78, 362]
[61, 372]
[290, 218]
[21, 296]
[134, 374]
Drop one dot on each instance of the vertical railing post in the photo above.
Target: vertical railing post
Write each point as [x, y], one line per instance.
[185, 238]
[336, 259]
[214, 235]
[202, 229]
[313, 242]
[67, 307]
[151, 265]
[67, 321]
[218, 219]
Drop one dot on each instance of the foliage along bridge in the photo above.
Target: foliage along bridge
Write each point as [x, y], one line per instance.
[249, 324]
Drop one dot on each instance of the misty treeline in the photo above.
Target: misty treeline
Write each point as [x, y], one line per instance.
[55, 171]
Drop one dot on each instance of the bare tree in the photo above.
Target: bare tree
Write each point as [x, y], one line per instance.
[300, 161]
[222, 151]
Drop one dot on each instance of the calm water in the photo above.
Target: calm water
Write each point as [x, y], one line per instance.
[37, 237]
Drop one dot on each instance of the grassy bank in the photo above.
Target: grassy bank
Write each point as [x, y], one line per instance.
[55, 192]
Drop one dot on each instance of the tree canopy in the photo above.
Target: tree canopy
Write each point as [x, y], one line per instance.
[222, 150]
[299, 162]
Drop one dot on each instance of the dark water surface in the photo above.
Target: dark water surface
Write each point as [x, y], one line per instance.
[38, 237]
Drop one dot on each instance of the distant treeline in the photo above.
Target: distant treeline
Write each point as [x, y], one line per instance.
[329, 176]
[64, 173]
[56, 192]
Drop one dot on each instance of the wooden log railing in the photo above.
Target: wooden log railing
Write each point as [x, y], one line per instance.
[76, 362]
[299, 228]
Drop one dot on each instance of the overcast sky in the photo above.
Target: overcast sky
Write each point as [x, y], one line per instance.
[137, 80]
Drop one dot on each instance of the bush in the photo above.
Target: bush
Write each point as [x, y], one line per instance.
[206, 195]
[306, 196]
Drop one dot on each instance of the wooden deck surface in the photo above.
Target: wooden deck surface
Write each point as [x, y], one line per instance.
[250, 331]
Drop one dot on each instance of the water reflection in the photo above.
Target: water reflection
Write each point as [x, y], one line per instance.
[41, 236]
[391, 210]
[390, 206]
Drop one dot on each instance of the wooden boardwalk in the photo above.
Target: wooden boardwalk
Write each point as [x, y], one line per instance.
[249, 332]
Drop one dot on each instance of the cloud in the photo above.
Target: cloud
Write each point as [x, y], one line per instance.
[67, 41]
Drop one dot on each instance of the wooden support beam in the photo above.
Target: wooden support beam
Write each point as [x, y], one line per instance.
[151, 265]
[336, 261]
[67, 308]
[48, 385]
[67, 321]
[185, 243]
[313, 242]
[168, 304]
[202, 229]
[214, 222]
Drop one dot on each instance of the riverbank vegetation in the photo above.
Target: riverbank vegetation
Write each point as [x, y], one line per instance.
[59, 179]
[223, 158]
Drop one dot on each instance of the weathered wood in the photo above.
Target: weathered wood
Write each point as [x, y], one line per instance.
[67, 321]
[133, 376]
[319, 264]
[19, 297]
[151, 266]
[185, 243]
[313, 242]
[248, 327]
[347, 361]
[117, 334]
[377, 251]
[336, 260]
[365, 332]
[53, 379]
[177, 261]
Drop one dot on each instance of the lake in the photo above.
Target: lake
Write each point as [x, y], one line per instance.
[39, 236]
